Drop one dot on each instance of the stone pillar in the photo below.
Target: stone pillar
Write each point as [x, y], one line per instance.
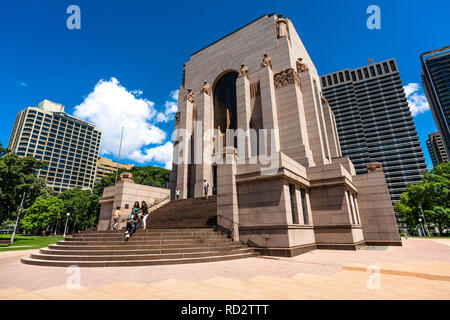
[203, 165]
[269, 108]
[243, 113]
[330, 126]
[291, 115]
[313, 117]
[298, 199]
[227, 205]
[184, 141]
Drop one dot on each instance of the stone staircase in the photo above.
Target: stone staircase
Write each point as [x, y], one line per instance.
[180, 232]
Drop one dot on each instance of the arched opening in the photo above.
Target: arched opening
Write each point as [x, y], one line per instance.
[225, 105]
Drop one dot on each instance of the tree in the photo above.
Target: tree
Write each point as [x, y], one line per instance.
[18, 175]
[83, 207]
[430, 197]
[149, 175]
[42, 214]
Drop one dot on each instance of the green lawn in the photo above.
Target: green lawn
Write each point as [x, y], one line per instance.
[23, 242]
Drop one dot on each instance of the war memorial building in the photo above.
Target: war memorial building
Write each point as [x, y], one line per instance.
[252, 121]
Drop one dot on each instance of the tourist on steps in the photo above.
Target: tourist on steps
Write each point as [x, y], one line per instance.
[144, 210]
[133, 221]
[116, 216]
[205, 188]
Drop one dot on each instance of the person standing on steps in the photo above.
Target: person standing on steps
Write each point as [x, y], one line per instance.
[144, 210]
[133, 221]
[205, 188]
[116, 216]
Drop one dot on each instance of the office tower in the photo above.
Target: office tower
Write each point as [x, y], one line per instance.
[436, 148]
[106, 166]
[436, 84]
[70, 146]
[374, 122]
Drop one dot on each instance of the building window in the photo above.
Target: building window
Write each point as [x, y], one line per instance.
[324, 82]
[335, 78]
[353, 76]
[347, 76]
[386, 69]
[360, 75]
[293, 203]
[393, 68]
[379, 69]
[304, 206]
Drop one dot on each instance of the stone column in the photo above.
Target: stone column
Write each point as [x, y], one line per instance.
[184, 141]
[330, 126]
[227, 205]
[243, 113]
[291, 115]
[269, 108]
[298, 199]
[313, 117]
[203, 155]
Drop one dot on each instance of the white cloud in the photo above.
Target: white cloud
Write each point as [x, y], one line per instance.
[418, 103]
[161, 154]
[171, 107]
[110, 106]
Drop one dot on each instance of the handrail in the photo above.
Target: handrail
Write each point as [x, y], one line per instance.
[159, 201]
[240, 225]
[154, 204]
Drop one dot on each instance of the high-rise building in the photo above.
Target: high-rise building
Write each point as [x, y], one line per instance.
[436, 84]
[70, 146]
[106, 166]
[374, 122]
[436, 148]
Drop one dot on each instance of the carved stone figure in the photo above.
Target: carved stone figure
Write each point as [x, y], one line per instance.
[177, 118]
[374, 167]
[301, 66]
[282, 27]
[244, 71]
[322, 98]
[189, 96]
[206, 88]
[288, 76]
[126, 177]
[267, 61]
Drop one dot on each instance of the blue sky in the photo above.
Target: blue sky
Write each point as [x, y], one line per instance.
[138, 49]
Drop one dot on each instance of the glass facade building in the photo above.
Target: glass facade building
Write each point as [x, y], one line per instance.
[374, 122]
[436, 84]
[436, 148]
[70, 146]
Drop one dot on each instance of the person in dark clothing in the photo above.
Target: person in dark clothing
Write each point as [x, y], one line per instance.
[144, 210]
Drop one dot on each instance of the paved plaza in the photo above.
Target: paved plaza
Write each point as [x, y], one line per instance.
[418, 270]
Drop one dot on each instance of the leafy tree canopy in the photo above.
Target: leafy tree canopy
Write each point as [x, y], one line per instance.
[42, 214]
[83, 207]
[149, 175]
[429, 198]
[18, 175]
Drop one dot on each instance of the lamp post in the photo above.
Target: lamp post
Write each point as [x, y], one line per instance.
[19, 211]
[423, 230]
[65, 228]
[118, 160]
[424, 221]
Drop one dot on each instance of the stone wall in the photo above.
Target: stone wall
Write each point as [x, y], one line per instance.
[375, 209]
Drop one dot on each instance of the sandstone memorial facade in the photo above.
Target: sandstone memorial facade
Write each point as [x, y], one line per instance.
[252, 122]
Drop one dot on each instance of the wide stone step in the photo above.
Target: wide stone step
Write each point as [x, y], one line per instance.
[137, 246]
[126, 251]
[153, 229]
[141, 232]
[141, 237]
[132, 257]
[141, 242]
[134, 263]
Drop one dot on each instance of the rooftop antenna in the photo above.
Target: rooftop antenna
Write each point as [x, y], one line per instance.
[120, 149]
[370, 60]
